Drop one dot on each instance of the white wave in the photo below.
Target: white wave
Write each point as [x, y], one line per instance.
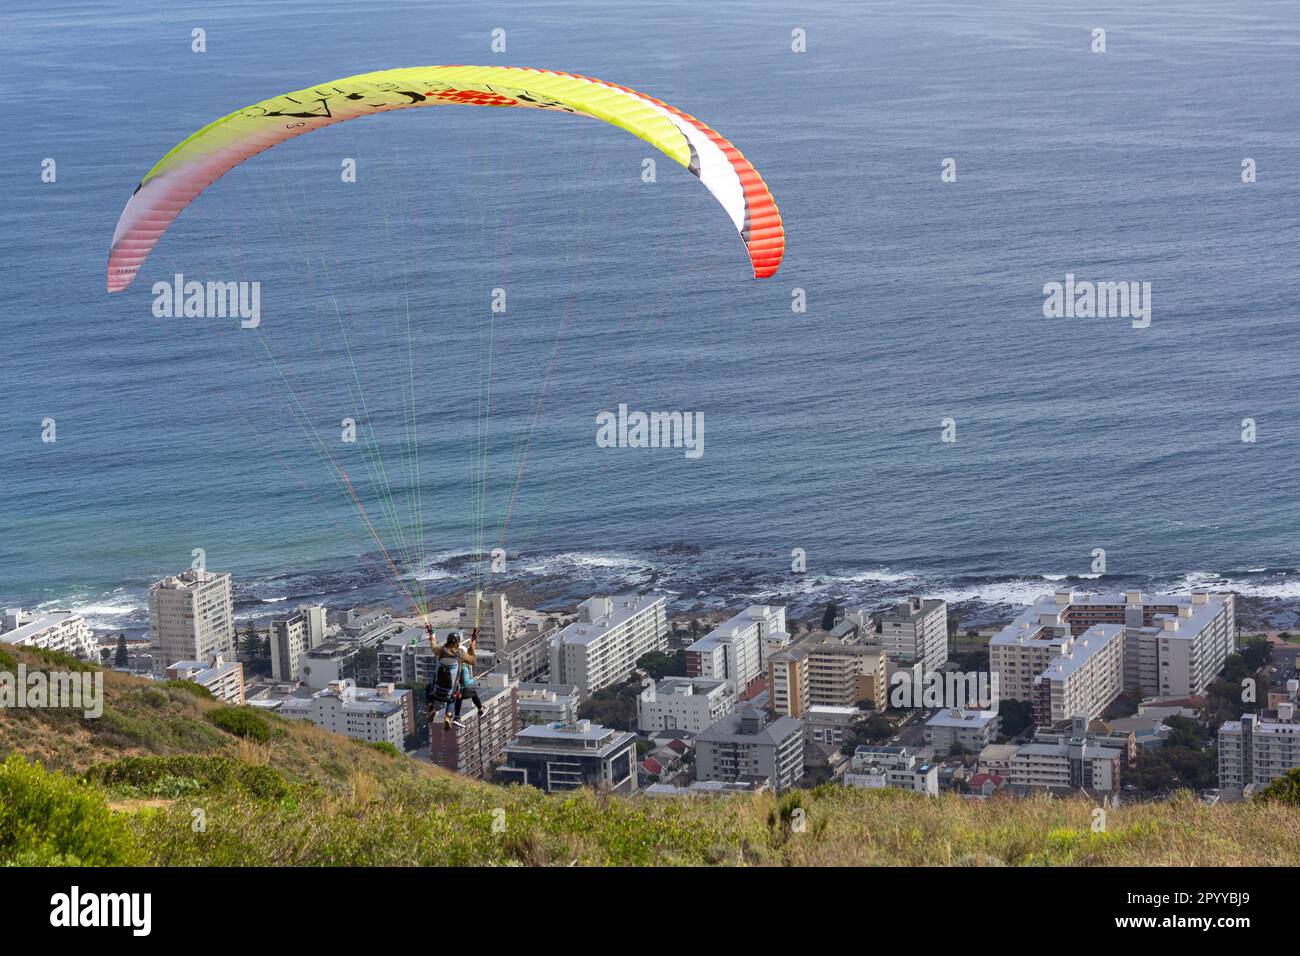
[1020, 591]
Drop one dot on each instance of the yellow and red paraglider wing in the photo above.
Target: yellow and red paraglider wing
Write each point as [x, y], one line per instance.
[204, 156]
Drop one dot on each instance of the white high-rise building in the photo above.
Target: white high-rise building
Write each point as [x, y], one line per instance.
[498, 625]
[191, 618]
[1084, 679]
[682, 703]
[916, 631]
[1173, 644]
[602, 646]
[64, 631]
[736, 651]
[1257, 751]
[291, 637]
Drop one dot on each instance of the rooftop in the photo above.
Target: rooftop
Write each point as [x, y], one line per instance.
[597, 616]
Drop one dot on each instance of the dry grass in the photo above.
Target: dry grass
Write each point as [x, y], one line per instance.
[349, 804]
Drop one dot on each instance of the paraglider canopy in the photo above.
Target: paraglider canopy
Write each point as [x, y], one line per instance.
[204, 156]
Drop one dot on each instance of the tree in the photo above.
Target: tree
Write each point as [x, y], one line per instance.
[250, 641]
[1016, 716]
[659, 664]
[121, 658]
[1285, 789]
[873, 729]
[829, 615]
[612, 707]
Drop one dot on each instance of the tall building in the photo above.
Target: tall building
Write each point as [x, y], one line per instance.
[839, 668]
[602, 646]
[292, 636]
[1256, 750]
[1083, 679]
[787, 673]
[682, 703]
[191, 618]
[63, 631]
[472, 750]
[1173, 644]
[737, 650]
[916, 631]
[406, 658]
[745, 746]
[557, 757]
[374, 714]
[498, 625]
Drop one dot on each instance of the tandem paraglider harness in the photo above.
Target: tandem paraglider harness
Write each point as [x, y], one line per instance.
[452, 679]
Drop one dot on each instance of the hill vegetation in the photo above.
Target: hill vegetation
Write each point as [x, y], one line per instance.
[169, 777]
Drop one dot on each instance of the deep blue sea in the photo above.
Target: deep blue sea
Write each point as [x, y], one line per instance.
[823, 428]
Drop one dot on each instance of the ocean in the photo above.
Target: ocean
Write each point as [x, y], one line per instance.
[823, 428]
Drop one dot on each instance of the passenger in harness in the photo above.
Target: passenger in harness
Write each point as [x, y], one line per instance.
[468, 685]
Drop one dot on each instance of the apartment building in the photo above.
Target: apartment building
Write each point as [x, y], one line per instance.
[288, 641]
[972, 730]
[528, 656]
[916, 630]
[223, 679]
[829, 669]
[875, 768]
[737, 650]
[548, 703]
[191, 618]
[842, 671]
[744, 745]
[787, 674]
[473, 748]
[1085, 678]
[1081, 760]
[682, 703]
[558, 757]
[828, 726]
[1255, 750]
[497, 623]
[63, 631]
[602, 646]
[332, 661]
[1173, 644]
[372, 714]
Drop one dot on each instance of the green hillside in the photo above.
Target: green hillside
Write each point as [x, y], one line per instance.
[168, 777]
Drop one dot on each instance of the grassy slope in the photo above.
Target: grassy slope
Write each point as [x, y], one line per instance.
[348, 803]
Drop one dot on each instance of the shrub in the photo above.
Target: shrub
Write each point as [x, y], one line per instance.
[59, 659]
[189, 687]
[48, 819]
[179, 775]
[384, 747]
[155, 697]
[1285, 789]
[8, 662]
[242, 722]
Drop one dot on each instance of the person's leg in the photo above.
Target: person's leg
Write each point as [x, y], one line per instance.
[474, 697]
